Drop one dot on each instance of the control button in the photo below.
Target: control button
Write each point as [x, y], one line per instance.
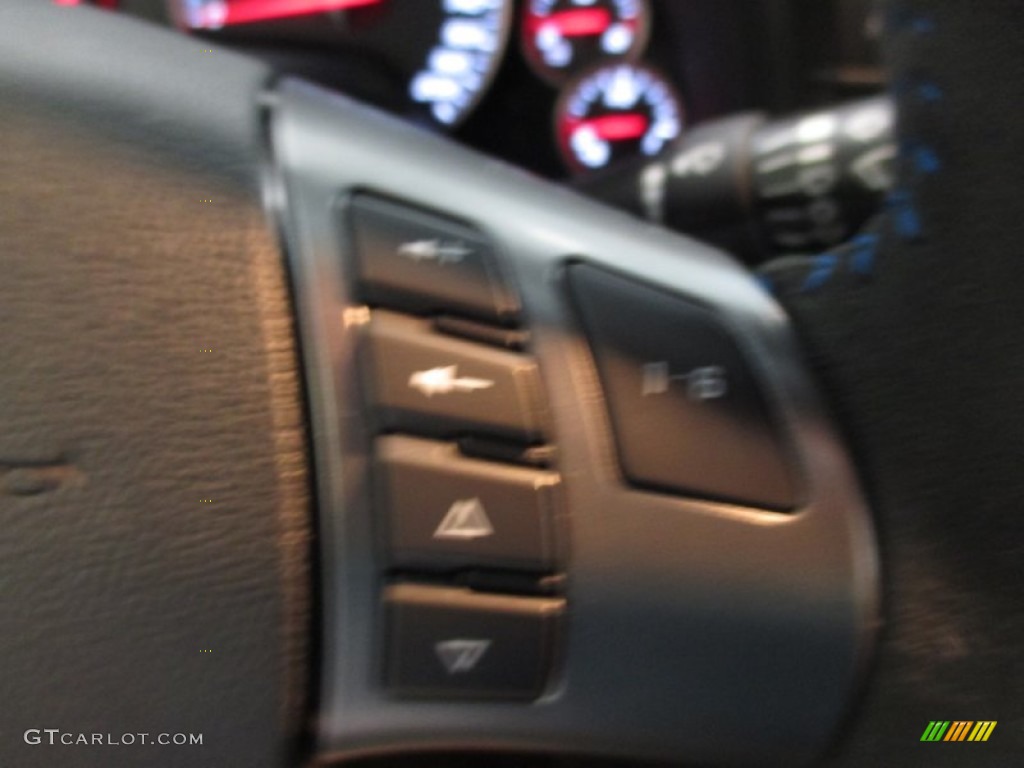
[448, 511]
[428, 383]
[686, 408]
[453, 643]
[413, 260]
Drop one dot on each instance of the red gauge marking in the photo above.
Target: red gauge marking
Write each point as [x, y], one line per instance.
[613, 127]
[249, 11]
[581, 22]
[110, 4]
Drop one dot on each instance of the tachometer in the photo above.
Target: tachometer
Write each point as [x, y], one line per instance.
[562, 37]
[445, 51]
[617, 111]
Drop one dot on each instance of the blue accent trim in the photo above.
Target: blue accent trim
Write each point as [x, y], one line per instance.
[905, 215]
[862, 258]
[766, 283]
[926, 160]
[824, 267]
[925, 90]
[899, 17]
[922, 25]
[930, 92]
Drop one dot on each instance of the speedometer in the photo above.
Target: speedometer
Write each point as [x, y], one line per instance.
[613, 112]
[563, 37]
[445, 52]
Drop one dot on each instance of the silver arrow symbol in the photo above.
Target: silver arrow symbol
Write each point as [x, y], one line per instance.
[445, 380]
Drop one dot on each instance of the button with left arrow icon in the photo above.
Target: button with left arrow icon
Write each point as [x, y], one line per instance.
[429, 383]
[416, 260]
[445, 380]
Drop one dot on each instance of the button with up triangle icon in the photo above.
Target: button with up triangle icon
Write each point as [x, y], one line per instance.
[445, 511]
[466, 520]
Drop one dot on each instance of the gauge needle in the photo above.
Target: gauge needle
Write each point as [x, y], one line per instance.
[248, 11]
[614, 127]
[581, 22]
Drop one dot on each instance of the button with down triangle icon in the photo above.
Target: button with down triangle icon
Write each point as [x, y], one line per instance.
[461, 654]
[460, 643]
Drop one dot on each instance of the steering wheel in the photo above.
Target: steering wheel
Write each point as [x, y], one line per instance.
[248, 325]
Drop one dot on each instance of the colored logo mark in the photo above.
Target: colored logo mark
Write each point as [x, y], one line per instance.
[958, 730]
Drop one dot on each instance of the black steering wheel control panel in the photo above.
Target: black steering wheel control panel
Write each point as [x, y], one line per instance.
[576, 492]
[469, 511]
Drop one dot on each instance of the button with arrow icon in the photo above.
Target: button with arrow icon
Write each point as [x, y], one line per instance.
[439, 251]
[426, 382]
[412, 259]
[456, 643]
[461, 655]
[466, 520]
[445, 380]
[447, 511]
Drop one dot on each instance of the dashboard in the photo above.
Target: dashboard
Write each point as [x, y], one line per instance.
[561, 88]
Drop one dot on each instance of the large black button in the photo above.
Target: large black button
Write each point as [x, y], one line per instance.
[431, 384]
[445, 511]
[688, 412]
[454, 643]
[413, 260]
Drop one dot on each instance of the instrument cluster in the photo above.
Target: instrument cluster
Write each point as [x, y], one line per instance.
[562, 88]
[435, 61]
